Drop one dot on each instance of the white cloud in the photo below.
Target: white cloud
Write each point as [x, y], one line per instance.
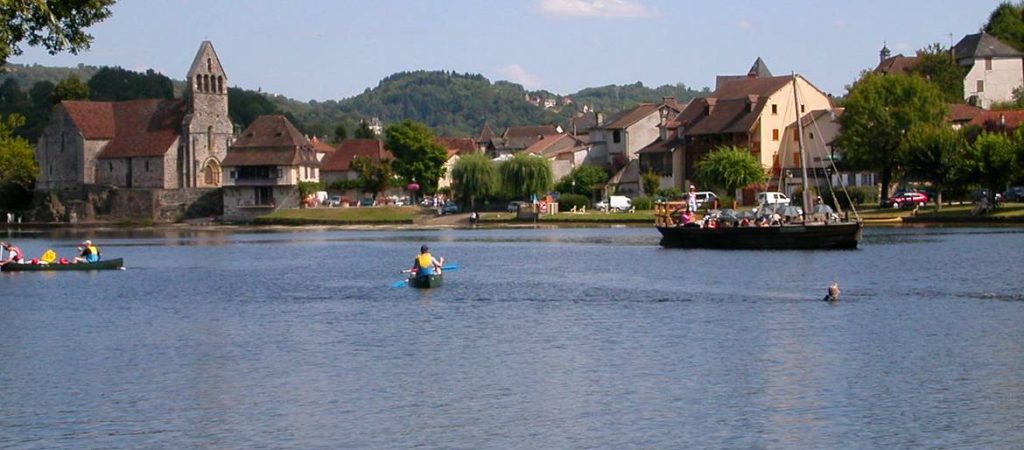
[517, 74]
[614, 9]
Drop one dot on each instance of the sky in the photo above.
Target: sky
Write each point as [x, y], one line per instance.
[333, 49]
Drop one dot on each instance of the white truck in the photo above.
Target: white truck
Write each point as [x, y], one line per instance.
[615, 203]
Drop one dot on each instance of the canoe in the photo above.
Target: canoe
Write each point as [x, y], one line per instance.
[427, 282]
[107, 264]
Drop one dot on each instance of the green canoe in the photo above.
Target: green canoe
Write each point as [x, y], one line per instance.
[108, 264]
[427, 282]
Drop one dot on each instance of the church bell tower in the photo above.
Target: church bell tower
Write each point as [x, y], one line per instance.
[208, 130]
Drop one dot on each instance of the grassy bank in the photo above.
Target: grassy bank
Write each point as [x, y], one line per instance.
[384, 215]
[589, 217]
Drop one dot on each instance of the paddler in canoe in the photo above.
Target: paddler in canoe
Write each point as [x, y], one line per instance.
[14, 254]
[425, 264]
[88, 253]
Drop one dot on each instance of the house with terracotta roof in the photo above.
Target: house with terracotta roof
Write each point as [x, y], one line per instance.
[617, 142]
[895, 65]
[455, 148]
[153, 144]
[1004, 121]
[337, 166]
[961, 114]
[565, 151]
[263, 169]
[516, 139]
[752, 113]
[994, 69]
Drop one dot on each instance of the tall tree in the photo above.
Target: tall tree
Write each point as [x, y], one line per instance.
[650, 181]
[935, 63]
[526, 174]
[993, 158]
[18, 167]
[56, 25]
[418, 156]
[730, 168]
[935, 154]
[374, 177]
[363, 131]
[584, 180]
[474, 176]
[1006, 23]
[340, 133]
[880, 111]
[70, 88]
[117, 84]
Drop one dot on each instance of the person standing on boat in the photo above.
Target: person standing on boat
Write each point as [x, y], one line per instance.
[89, 253]
[691, 199]
[14, 254]
[425, 264]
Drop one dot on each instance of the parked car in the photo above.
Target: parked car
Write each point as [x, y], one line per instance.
[1014, 194]
[450, 208]
[705, 197]
[366, 202]
[909, 200]
[513, 206]
[615, 202]
[335, 200]
[772, 198]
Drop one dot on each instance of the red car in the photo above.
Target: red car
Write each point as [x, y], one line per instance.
[909, 200]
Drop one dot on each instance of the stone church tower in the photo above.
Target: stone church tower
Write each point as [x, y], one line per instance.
[206, 130]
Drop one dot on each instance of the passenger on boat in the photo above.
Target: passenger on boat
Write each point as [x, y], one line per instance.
[89, 253]
[687, 217]
[691, 198]
[425, 264]
[14, 254]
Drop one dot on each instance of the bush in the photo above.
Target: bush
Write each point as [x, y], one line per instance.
[567, 201]
[643, 203]
[672, 193]
[307, 188]
[344, 185]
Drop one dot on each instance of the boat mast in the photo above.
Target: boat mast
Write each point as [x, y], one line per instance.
[805, 195]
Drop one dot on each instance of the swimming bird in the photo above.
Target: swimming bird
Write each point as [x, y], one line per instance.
[833, 293]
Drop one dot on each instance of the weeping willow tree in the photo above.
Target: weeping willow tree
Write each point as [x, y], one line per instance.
[474, 176]
[525, 175]
[730, 168]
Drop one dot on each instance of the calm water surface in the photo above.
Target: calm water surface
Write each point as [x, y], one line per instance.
[543, 338]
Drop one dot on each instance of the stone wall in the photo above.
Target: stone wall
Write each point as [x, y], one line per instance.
[239, 202]
[92, 203]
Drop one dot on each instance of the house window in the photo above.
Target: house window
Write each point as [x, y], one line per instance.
[280, 172]
[988, 63]
[775, 109]
[810, 135]
[617, 136]
[803, 109]
[981, 85]
[233, 174]
[775, 134]
[796, 135]
[110, 166]
[147, 165]
[264, 195]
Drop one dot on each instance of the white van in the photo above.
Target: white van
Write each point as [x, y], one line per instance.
[772, 198]
[616, 202]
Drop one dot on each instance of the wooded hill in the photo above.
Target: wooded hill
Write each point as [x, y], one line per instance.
[452, 104]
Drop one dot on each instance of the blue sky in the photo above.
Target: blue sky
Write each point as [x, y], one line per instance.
[332, 49]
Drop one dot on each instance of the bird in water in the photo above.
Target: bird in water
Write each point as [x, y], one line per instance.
[833, 293]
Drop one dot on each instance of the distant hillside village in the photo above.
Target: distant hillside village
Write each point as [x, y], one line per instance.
[167, 159]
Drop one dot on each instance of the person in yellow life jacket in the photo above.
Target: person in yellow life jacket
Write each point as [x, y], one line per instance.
[425, 264]
[89, 253]
[14, 254]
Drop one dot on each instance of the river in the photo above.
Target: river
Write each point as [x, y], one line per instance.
[542, 338]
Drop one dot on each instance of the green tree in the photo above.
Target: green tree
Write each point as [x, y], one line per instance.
[1006, 23]
[651, 182]
[935, 154]
[374, 177]
[880, 111]
[935, 63]
[56, 25]
[730, 168]
[474, 176]
[340, 133]
[364, 131]
[117, 84]
[245, 106]
[18, 167]
[70, 88]
[418, 156]
[993, 162]
[526, 174]
[585, 180]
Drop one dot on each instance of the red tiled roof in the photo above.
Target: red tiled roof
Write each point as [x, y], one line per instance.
[529, 132]
[271, 141]
[458, 146]
[341, 160]
[321, 146]
[735, 106]
[962, 112]
[898, 64]
[1004, 120]
[135, 128]
[631, 116]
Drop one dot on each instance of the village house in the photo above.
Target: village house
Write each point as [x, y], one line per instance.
[514, 139]
[337, 166]
[565, 151]
[656, 158]
[618, 141]
[263, 169]
[820, 130]
[752, 113]
[158, 144]
[455, 148]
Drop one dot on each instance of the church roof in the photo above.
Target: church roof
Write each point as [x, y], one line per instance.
[135, 128]
[341, 160]
[759, 69]
[271, 141]
[898, 64]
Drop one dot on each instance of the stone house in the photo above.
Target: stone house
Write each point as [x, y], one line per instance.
[456, 148]
[994, 69]
[565, 151]
[160, 144]
[752, 113]
[617, 142]
[263, 169]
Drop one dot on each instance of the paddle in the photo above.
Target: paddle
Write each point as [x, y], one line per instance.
[399, 284]
[444, 267]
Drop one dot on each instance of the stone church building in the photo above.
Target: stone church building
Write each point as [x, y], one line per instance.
[156, 144]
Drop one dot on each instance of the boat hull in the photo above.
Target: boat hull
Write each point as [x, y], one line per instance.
[427, 282]
[109, 264]
[839, 236]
